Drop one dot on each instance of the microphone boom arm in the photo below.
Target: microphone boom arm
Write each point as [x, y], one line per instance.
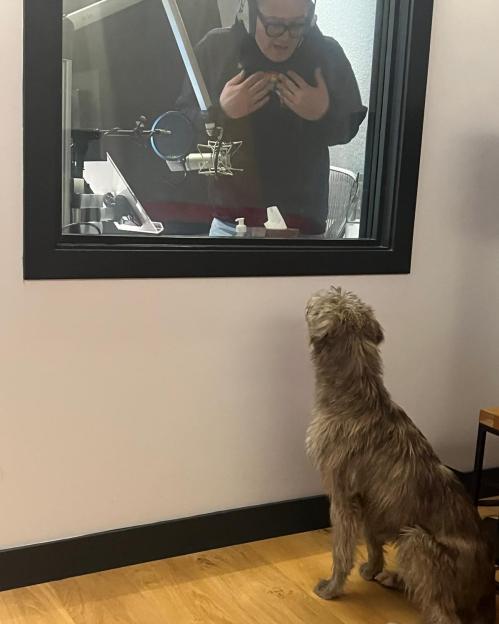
[190, 61]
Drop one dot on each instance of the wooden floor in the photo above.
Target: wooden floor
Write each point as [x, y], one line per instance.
[268, 582]
[260, 583]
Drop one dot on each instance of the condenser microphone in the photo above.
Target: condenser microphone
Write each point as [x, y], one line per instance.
[176, 144]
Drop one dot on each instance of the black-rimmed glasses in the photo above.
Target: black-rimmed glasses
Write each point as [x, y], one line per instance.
[275, 28]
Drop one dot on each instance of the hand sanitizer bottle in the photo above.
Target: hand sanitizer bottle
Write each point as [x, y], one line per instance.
[241, 228]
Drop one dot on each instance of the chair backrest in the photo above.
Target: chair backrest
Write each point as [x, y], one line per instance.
[343, 189]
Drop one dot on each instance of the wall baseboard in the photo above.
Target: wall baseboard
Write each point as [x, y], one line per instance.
[51, 561]
[490, 481]
[40, 563]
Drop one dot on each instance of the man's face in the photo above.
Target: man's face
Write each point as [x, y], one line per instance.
[272, 15]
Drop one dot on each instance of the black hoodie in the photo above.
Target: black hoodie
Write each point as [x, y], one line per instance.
[285, 158]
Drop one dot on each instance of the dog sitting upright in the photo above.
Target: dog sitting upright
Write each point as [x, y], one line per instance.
[384, 479]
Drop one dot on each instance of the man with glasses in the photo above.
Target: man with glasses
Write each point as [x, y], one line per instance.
[288, 92]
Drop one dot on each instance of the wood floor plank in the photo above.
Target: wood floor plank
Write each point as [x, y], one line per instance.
[105, 598]
[33, 605]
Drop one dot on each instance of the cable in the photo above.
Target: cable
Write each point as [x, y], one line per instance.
[89, 223]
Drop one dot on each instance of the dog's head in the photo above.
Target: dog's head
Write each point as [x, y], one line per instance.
[335, 314]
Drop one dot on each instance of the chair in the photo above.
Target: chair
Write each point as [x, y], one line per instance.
[488, 423]
[343, 201]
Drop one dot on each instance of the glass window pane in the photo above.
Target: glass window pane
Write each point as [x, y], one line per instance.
[280, 150]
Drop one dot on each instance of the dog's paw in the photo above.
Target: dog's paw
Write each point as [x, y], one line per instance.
[367, 572]
[388, 579]
[326, 591]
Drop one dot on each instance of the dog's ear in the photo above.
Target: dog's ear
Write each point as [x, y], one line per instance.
[317, 315]
[374, 332]
[319, 326]
[359, 320]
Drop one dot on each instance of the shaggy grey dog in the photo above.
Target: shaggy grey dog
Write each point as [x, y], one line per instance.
[385, 480]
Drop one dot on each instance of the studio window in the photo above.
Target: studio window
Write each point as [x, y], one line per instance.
[205, 138]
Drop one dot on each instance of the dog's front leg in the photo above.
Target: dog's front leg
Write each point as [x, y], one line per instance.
[375, 556]
[345, 533]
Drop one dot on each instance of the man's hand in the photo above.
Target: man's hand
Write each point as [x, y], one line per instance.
[310, 103]
[241, 97]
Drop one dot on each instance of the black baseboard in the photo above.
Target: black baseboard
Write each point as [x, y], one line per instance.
[490, 482]
[40, 563]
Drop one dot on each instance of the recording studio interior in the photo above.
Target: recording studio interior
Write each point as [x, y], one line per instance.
[121, 100]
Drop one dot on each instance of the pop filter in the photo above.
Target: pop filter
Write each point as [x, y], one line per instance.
[177, 138]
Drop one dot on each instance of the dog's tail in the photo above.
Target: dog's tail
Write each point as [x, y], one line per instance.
[486, 609]
[443, 574]
[427, 568]
[486, 613]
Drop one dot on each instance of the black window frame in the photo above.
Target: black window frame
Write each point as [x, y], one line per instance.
[403, 33]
